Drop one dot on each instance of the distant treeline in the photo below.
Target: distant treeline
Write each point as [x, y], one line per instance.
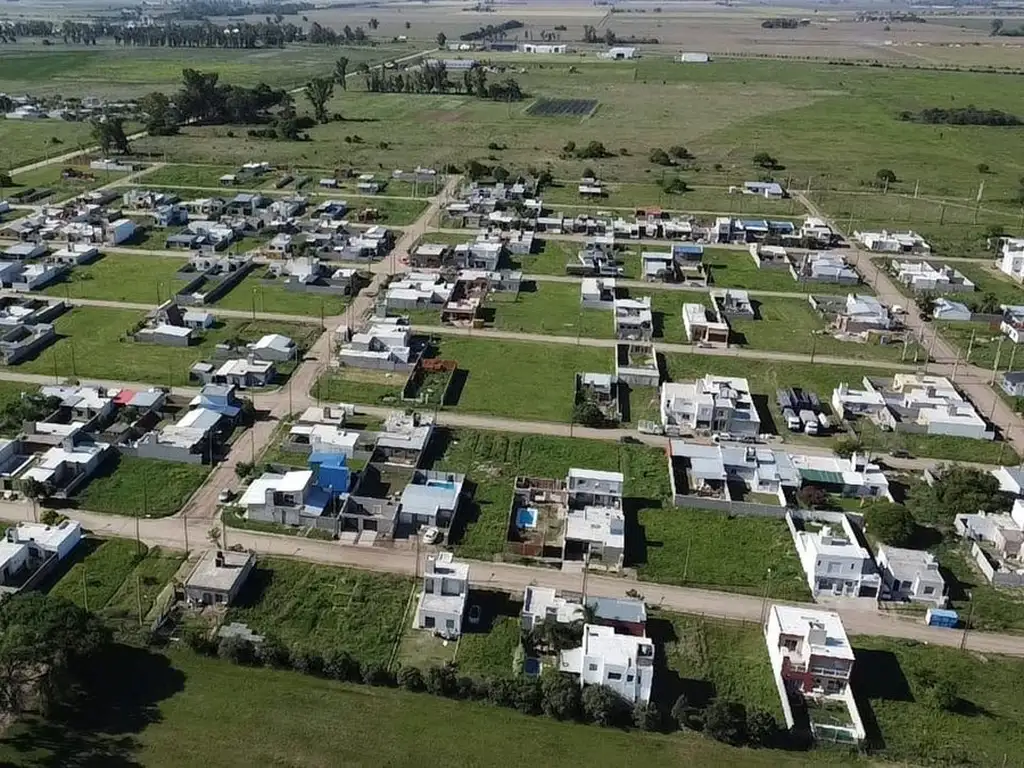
[609, 37]
[433, 78]
[969, 115]
[780, 22]
[199, 10]
[492, 31]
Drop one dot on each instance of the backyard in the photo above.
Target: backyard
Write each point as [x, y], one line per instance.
[320, 607]
[253, 295]
[126, 485]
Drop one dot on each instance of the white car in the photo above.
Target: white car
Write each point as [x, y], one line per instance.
[225, 496]
[432, 535]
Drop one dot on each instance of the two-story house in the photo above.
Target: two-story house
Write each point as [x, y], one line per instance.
[835, 561]
[443, 600]
[720, 404]
[810, 649]
[624, 663]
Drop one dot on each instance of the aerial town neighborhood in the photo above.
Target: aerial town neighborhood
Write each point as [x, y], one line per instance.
[406, 346]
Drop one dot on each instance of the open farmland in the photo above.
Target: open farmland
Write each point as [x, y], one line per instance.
[562, 107]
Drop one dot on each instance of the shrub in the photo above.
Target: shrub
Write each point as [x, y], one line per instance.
[235, 649]
[886, 175]
[376, 674]
[762, 728]
[340, 665]
[197, 638]
[528, 696]
[603, 706]
[307, 662]
[686, 715]
[660, 157]
[646, 717]
[560, 697]
[890, 523]
[501, 692]
[272, 652]
[440, 681]
[812, 497]
[411, 679]
[726, 721]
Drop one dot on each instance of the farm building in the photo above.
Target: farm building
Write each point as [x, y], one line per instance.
[689, 57]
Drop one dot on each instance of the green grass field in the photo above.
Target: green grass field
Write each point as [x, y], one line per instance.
[118, 487]
[27, 141]
[320, 607]
[947, 447]
[152, 709]
[114, 71]
[490, 653]
[729, 656]
[988, 342]
[252, 292]
[492, 460]
[50, 177]
[702, 548]
[94, 579]
[121, 277]
[631, 196]
[736, 269]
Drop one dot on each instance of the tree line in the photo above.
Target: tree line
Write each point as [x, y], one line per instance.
[553, 694]
[432, 77]
[492, 31]
[200, 10]
[969, 115]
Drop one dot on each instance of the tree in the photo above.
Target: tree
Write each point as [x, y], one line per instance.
[272, 652]
[377, 674]
[956, 491]
[764, 160]
[161, 114]
[886, 175]
[442, 40]
[588, 413]
[341, 72]
[528, 696]
[318, 92]
[560, 697]
[373, 24]
[411, 679]
[440, 681]
[235, 649]
[890, 523]
[45, 644]
[925, 305]
[983, 168]
[847, 446]
[660, 157]
[988, 304]
[33, 489]
[603, 706]
[726, 721]
[762, 728]
[646, 717]
[680, 152]
[109, 133]
[812, 497]
[996, 27]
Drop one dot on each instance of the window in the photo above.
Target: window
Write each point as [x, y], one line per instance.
[629, 678]
[450, 623]
[614, 675]
[929, 590]
[428, 622]
[592, 667]
[789, 644]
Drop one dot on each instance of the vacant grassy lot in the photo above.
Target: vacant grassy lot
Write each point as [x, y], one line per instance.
[947, 447]
[984, 726]
[93, 343]
[736, 269]
[708, 549]
[252, 292]
[121, 277]
[712, 199]
[28, 141]
[323, 608]
[492, 460]
[50, 177]
[791, 325]
[144, 584]
[994, 609]
[144, 704]
[987, 342]
[146, 487]
[728, 656]
[97, 577]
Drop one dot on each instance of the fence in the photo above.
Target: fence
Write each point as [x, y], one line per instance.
[992, 572]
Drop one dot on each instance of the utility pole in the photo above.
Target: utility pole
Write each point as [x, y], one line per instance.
[995, 365]
[764, 601]
[138, 596]
[145, 509]
[686, 562]
[85, 588]
[967, 624]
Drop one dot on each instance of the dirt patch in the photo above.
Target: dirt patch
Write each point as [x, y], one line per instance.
[442, 116]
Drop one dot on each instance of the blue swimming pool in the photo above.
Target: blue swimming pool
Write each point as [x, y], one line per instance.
[526, 517]
[531, 667]
[446, 484]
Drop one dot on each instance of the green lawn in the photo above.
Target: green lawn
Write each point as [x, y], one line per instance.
[121, 277]
[994, 609]
[276, 299]
[95, 578]
[93, 343]
[489, 653]
[119, 487]
[27, 141]
[984, 728]
[492, 460]
[702, 548]
[736, 269]
[322, 608]
[791, 325]
[630, 196]
[51, 177]
[150, 709]
[986, 343]
[729, 656]
[190, 176]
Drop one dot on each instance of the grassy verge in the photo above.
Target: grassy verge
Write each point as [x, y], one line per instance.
[148, 487]
[320, 607]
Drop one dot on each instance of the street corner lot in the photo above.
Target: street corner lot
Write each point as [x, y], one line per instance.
[320, 607]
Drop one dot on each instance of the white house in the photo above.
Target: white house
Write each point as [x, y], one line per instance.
[1011, 262]
[811, 657]
[634, 320]
[1012, 324]
[595, 534]
[443, 600]
[853, 477]
[33, 543]
[946, 309]
[275, 498]
[719, 404]
[892, 242]
[923, 276]
[624, 663]
[834, 560]
[910, 574]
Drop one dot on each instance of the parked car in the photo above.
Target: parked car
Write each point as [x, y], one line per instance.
[474, 614]
[900, 453]
[630, 439]
[225, 496]
[432, 535]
